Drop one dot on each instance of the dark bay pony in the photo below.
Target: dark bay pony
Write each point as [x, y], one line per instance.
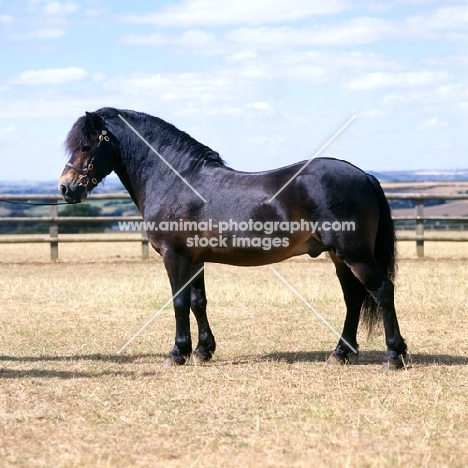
[240, 218]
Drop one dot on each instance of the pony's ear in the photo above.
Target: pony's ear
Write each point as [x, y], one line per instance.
[94, 121]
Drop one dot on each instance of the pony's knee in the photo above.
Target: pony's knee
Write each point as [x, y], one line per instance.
[198, 302]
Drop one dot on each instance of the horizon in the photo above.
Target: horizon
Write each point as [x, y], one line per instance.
[432, 175]
[265, 87]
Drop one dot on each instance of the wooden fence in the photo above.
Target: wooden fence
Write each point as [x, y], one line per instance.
[419, 218]
[54, 220]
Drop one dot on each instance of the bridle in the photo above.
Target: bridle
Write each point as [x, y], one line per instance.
[84, 179]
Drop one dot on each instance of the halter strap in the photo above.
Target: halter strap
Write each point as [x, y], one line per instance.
[84, 179]
[81, 171]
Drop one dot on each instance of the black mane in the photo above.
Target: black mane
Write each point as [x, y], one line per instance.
[81, 133]
[183, 140]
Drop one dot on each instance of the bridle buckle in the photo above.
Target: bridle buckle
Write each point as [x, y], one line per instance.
[104, 136]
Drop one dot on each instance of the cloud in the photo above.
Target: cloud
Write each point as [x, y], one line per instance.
[211, 93]
[357, 31]
[98, 76]
[59, 8]
[193, 39]
[5, 19]
[264, 39]
[48, 106]
[431, 123]
[50, 76]
[449, 22]
[259, 105]
[193, 13]
[312, 67]
[44, 33]
[187, 87]
[246, 79]
[7, 131]
[386, 80]
[448, 101]
[155, 40]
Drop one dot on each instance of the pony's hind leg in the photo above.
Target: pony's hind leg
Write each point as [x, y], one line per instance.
[206, 343]
[354, 293]
[382, 291]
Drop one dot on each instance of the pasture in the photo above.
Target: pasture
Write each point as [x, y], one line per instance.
[267, 399]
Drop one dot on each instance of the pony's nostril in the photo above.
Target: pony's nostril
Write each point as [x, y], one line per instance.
[63, 189]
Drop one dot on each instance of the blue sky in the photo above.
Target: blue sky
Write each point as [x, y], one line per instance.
[265, 83]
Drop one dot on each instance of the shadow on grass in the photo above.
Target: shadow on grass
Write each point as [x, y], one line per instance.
[118, 358]
[6, 373]
[368, 358]
[68, 375]
[372, 357]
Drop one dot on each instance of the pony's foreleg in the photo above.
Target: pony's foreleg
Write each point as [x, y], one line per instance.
[354, 293]
[206, 343]
[178, 270]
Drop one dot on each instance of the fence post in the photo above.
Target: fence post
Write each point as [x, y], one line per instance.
[419, 228]
[53, 230]
[144, 245]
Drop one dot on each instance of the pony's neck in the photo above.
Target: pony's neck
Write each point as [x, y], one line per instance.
[141, 170]
[174, 145]
[124, 178]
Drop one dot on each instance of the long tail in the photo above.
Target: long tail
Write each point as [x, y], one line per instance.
[385, 254]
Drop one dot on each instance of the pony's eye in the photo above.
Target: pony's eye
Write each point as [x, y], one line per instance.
[85, 149]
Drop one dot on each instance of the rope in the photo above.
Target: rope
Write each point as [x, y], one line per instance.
[31, 203]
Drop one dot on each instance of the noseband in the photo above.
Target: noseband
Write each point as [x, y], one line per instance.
[84, 179]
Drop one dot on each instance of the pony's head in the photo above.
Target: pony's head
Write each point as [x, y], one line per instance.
[89, 144]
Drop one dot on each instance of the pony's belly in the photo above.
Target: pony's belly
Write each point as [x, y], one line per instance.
[255, 256]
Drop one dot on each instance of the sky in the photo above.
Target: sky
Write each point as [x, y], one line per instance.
[264, 83]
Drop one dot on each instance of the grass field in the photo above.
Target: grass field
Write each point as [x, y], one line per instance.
[267, 399]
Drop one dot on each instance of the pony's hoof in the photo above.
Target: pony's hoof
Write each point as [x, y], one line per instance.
[392, 365]
[334, 360]
[172, 361]
[200, 357]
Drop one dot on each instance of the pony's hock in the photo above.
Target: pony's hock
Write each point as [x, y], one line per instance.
[327, 190]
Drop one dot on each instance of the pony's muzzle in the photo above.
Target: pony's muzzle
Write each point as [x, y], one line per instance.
[72, 190]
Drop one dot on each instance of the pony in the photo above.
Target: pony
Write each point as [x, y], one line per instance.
[204, 211]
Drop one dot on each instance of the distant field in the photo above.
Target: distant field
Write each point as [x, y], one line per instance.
[267, 399]
[446, 188]
[449, 208]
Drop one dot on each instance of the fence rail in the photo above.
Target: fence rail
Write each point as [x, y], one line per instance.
[419, 217]
[54, 220]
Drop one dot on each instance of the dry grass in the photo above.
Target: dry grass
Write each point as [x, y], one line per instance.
[266, 399]
[75, 252]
